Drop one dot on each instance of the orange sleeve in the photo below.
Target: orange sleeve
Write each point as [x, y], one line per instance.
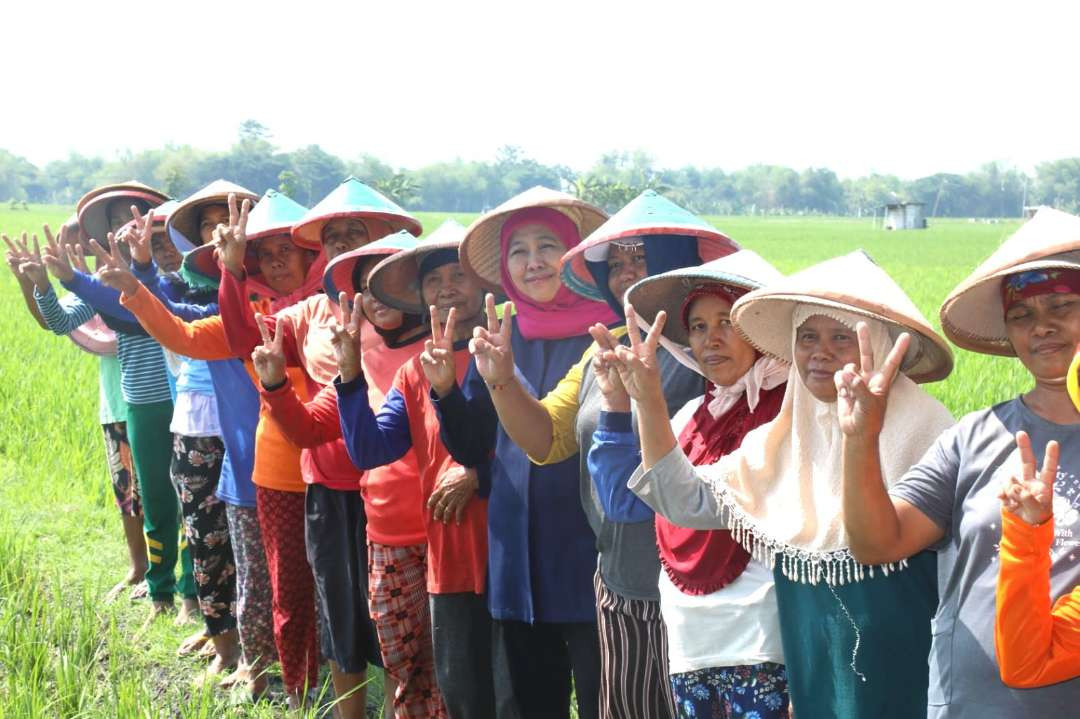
[202, 339]
[1036, 645]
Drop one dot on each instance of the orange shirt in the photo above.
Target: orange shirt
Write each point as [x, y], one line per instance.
[277, 460]
[1036, 644]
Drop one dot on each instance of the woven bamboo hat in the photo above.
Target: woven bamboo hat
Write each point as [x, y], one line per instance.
[338, 276]
[92, 208]
[480, 252]
[353, 198]
[742, 270]
[395, 281]
[273, 214]
[972, 315]
[647, 214]
[852, 283]
[185, 218]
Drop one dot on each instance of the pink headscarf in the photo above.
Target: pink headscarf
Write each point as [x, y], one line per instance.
[567, 314]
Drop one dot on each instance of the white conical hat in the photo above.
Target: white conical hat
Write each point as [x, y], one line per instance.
[852, 283]
[972, 315]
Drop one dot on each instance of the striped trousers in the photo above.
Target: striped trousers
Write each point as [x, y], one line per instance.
[634, 680]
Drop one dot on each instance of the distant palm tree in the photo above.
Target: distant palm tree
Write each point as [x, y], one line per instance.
[400, 188]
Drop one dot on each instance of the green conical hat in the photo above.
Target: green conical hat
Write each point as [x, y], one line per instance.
[353, 198]
[273, 214]
[648, 214]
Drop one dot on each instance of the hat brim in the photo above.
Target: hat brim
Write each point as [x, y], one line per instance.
[395, 280]
[308, 233]
[93, 217]
[972, 316]
[667, 292]
[203, 262]
[575, 273]
[764, 319]
[338, 276]
[185, 218]
[481, 252]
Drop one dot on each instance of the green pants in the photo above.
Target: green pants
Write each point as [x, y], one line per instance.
[151, 450]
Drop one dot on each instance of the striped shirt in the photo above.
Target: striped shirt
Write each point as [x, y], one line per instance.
[143, 376]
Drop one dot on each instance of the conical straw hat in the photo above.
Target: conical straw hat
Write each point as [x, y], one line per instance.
[185, 218]
[743, 270]
[273, 214]
[972, 315]
[352, 198]
[852, 283]
[338, 276]
[480, 252]
[395, 280]
[647, 214]
[92, 207]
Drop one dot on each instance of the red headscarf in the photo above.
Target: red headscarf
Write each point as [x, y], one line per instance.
[1050, 281]
[567, 314]
[703, 561]
[311, 285]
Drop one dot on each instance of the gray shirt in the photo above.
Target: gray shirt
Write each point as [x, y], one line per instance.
[629, 560]
[956, 485]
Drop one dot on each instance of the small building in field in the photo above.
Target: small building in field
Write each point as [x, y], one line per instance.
[905, 216]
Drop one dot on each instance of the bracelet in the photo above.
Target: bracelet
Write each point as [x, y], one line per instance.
[497, 386]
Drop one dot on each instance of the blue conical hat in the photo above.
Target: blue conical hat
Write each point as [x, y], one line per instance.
[338, 276]
[353, 198]
[395, 280]
[273, 214]
[648, 214]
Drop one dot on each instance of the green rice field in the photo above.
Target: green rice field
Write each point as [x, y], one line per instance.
[63, 653]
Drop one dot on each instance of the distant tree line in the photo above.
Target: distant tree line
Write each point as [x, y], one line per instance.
[309, 173]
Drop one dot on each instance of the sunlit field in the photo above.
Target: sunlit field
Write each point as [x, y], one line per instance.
[63, 653]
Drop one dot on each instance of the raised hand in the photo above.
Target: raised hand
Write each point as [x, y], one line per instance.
[57, 258]
[613, 396]
[112, 269]
[1031, 497]
[453, 490]
[638, 365]
[231, 239]
[78, 258]
[491, 346]
[139, 239]
[269, 357]
[437, 359]
[862, 392]
[26, 264]
[345, 338]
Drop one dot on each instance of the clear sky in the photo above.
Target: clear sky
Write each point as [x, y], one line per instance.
[907, 88]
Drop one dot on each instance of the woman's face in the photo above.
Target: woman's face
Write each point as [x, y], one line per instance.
[823, 346]
[448, 286]
[164, 252]
[722, 354]
[382, 316]
[210, 216]
[283, 265]
[626, 265]
[1044, 331]
[532, 261]
[342, 234]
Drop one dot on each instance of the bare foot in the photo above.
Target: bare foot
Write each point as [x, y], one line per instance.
[139, 591]
[220, 665]
[193, 644]
[258, 686]
[241, 674]
[189, 612]
[297, 700]
[134, 579]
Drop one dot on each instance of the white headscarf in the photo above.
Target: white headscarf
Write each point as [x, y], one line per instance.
[782, 489]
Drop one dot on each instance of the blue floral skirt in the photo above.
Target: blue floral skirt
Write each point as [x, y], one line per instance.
[758, 691]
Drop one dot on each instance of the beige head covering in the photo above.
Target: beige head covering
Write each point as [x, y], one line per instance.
[972, 316]
[781, 491]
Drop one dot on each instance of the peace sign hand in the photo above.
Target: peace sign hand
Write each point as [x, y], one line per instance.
[112, 268]
[57, 258]
[638, 365]
[269, 357]
[345, 338]
[26, 264]
[613, 396]
[1032, 496]
[491, 345]
[231, 239]
[437, 359]
[862, 392]
[139, 238]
